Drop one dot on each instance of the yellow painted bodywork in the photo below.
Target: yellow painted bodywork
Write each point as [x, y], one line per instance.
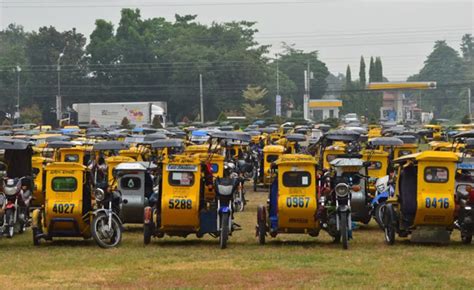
[430, 215]
[75, 198]
[137, 153]
[331, 152]
[439, 216]
[275, 151]
[65, 154]
[405, 149]
[297, 218]
[38, 164]
[112, 162]
[194, 149]
[376, 156]
[374, 132]
[181, 219]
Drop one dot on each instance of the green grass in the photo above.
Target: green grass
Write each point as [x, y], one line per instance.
[288, 261]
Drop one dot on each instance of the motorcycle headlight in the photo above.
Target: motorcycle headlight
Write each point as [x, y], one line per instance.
[342, 190]
[99, 194]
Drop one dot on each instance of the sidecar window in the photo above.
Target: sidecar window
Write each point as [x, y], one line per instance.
[178, 178]
[436, 174]
[130, 183]
[375, 165]
[272, 158]
[71, 158]
[403, 153]
[330, 157]
[296, 179]
[64, 184]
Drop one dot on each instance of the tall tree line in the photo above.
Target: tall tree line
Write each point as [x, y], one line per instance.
[150, 59]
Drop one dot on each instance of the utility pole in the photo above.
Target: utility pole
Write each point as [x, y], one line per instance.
[307, 84]
[201, 98]
[18, 70]
[278, 75]
[59, 103]
[277, 97]
[469, 102]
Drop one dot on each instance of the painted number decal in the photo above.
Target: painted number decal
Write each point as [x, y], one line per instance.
[436, 202]
[180, 204]
[63, 207]
[297, 201]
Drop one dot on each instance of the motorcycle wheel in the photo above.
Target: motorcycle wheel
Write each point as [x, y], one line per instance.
[10, 227]
[36, 240]
[147, 233]
[343, 223]
[261, 225]
[239, 206]
[466, 238]
[378, 214]
[106, 238]
[224, 235]
[389, 228]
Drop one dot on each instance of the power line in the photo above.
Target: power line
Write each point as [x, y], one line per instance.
[29, 4]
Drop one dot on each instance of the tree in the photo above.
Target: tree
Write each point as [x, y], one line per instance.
[31, 114]
[12, 54]
[294, 62]
[156, 122]
[445, 66]
[467, 47]
[252, 109]
[125, 124]
[371, 70]
[362, 75]
[378, 70]
[348, 78]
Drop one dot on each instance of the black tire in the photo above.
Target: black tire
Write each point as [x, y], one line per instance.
[262, 232]
[10, 226]
[466, 238]
[36, 240]
[147, 233]
[343, 228]
[389, 225]
[255, 185]
[378, 214]
[224, 235]
[106, 239]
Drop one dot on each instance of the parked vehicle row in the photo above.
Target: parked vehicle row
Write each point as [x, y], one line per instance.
[90, 186]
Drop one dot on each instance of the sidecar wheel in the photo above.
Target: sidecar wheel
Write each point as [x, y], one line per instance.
[147, 233]
[466, 238]
[261, 224]
[389, 227]
[36, 240]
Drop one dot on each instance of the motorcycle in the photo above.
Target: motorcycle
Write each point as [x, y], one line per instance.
[14, 202]
[383, 191]
[106, 228]
[226, 190]
[465, 219]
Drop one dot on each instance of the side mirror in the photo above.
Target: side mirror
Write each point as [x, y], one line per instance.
[463, 190]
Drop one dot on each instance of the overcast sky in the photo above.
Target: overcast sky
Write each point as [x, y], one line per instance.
[402, 32]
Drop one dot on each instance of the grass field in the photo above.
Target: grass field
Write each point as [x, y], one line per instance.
[288, 261]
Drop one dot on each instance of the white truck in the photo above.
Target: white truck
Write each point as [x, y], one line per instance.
[109, 114]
